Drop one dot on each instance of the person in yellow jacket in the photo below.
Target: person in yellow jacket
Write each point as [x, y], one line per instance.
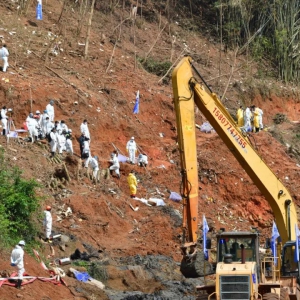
[132, 182]
[256, 115]
[240, 117]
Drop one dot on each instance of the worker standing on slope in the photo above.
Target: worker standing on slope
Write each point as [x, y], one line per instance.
[45, 120]
[260, 111]
[84, 129]
[247, 119]
[69, 144]
[53, 141]
[240, 117]
[4, 120]
[93, 162]
[32, 127]
[255, 114]
[81, 144]
[132, 182]
[4, 55]
[131, 150]
[50, 110]
[115, 165]
[47, 223]
[17, 260]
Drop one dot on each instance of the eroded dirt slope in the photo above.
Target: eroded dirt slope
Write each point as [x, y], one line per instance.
[106, 96]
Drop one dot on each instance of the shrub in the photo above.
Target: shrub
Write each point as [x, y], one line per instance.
[18, 205]
[155, 67]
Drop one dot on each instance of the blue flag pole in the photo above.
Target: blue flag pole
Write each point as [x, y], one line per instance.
[137, 102]
[205, 231]
[39, 10]
[275, 235]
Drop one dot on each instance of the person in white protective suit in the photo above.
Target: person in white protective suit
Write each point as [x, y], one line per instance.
[247, 119]
[61, 142]
[47, 223]
[63, 126]
[44, 121]
[48, 126]
[4, 120]
[260, 116]
[69, 144]
[53, 141]
[86, 153]
[4, 55]
[93, 162]
[50, 110]
[142, 160]
[84, 129]
[131, 150]
[32, 127]
[115, 165]
[17, 260]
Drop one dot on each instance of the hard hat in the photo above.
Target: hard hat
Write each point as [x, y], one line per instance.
[31, 115]
[22, 243]
[70, 130]
[48, 207]
[37, 112]
[45, 111]
[51, 102]
[132, 138]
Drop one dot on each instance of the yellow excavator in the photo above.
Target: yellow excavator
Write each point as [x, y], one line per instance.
[241, 271]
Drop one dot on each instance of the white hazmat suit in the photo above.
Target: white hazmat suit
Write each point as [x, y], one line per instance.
[53, 143]
[131, 149]
[50, 111]
[4, 55]
[93, 162]
[142, 160]
[4, 120]
[47, 222]
[84, 129]
[17, 260]
[247, 119]
[115, 164]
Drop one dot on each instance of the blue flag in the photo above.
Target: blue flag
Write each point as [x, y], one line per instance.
[205, 231]
[39, 10]
[137, 103]
[275, 235]
[296, 258]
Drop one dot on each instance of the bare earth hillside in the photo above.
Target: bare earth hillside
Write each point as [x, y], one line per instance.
[138, 251]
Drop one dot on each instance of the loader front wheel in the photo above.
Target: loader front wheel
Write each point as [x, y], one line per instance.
[271, 296]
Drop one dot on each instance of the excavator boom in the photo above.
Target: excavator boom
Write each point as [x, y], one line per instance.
[188, 91]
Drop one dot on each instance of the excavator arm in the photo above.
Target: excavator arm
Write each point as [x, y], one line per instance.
[187, 92]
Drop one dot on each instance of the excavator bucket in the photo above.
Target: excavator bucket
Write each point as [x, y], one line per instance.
[196, 266]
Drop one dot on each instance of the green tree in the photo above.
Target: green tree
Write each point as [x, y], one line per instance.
[18, 205]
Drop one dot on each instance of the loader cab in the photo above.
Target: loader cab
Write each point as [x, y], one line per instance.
[230, 245]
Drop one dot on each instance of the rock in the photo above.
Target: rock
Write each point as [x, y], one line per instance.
[65, 238]
[62, 247]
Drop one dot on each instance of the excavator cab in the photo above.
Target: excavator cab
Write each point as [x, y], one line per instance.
[290, 262]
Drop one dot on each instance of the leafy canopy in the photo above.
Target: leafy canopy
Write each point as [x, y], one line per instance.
[18, 205]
